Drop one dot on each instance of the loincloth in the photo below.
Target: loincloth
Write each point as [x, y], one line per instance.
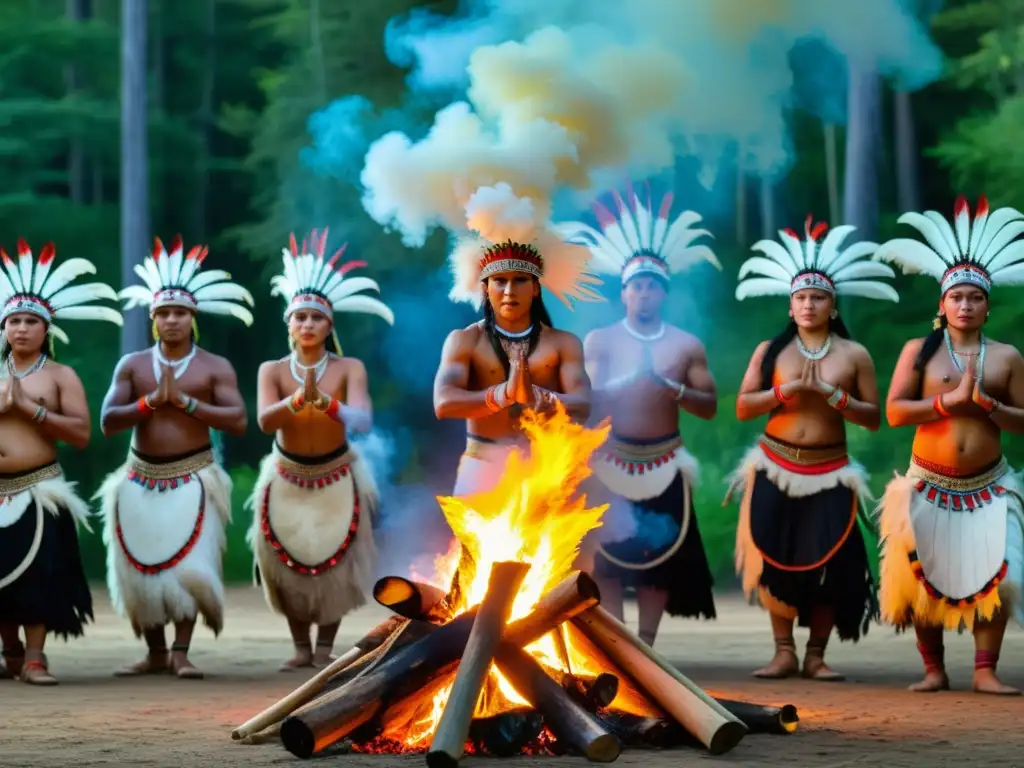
[312, 533]
[165, 521]
[952, 546]
[482, 464]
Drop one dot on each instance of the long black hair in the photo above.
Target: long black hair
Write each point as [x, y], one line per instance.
[777, 344]
[929, 347]
[538, 316]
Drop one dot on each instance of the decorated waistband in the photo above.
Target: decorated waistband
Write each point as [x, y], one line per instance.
[486, 449]
[631, 454]
[313, 471]
[164, 472]
[15, 482]
[947, 488]
[804, 459]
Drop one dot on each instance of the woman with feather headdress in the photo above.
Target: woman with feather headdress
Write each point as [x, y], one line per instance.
[644, 371]
[953, 527]
[315, 499]
[167, 507]
[43, 589]
[800, 547]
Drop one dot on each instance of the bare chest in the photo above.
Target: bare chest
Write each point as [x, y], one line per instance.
[835, 368]
[543, 364]
[668, 357]
[41, 389]
[941, 374]
[333, 382]
[195, 379]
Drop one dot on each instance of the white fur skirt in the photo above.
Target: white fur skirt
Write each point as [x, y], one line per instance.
[952, 547]
[164, 528]
[312, 534]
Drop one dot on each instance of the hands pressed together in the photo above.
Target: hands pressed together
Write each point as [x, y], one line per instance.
[810, 382]
[967, 396]
[648, 374]
[309, 394]
[168, 394]
[519, 389]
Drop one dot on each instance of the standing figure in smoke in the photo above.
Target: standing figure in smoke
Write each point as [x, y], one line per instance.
[315, 499]
[643, 371]
[43, 589]
[512, 358]
[166, 509]
[799, 544]
[952, 541]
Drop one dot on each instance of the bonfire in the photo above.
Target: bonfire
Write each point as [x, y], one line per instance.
[504, 649]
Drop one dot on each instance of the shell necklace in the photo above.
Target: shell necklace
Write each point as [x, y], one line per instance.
[641, 337]
[814, 354]
[956, 360]
[39, 363]
[178, 367]
[320, 366]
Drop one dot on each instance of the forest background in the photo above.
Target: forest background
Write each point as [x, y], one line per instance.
[240, 121]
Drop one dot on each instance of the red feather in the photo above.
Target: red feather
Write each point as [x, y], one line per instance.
[193, 252]
[47, 254]
[202, 254]
[791, 233]
[346, 268]
[6, 258]
[604, 216]
[176, 244]
[618, 201]
[666, 205]
[982, 206]
[336, 256]
[158, 248]
[292, 245]
[23, 249]
[961, 205]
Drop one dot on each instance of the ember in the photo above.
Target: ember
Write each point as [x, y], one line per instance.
[506, 650]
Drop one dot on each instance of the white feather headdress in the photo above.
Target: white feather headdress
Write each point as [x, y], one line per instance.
[311, 281]
[792, 265]
[982, 254]
[637, 242]
[175, 280]
[31, 285]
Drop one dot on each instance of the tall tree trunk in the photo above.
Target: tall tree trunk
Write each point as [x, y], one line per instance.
[860, 187]
[908, 180]
[206, 122]
[320, 83]
[832, 172]
[77, 11]
[134, 164]
[767, 208]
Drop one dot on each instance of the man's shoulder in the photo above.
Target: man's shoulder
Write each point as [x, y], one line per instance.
[563, 338]
[684, 338]
[470, 334]
[212, 359]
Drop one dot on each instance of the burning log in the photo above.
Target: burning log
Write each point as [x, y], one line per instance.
[707, 720]
[452, 731]
[594, 694]
[334, 715]
[570, 723]
[763, 719]
[507, 734]
[412, 599]
[276, 712]
[635, 730]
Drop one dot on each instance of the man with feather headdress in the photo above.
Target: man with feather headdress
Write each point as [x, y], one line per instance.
[953, 526]
[800, 546]
[43, 589]
[513, 358]
[644, 371]
[167, 508]
[315, 499]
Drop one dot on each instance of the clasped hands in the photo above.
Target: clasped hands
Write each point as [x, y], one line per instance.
[647, 373]
[309, 394]
[968, 394]
[810, 381]
[167, 393]
[520, 389]
[11, 394]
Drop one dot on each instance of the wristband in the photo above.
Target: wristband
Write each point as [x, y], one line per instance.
[496, 400]
[839, 399]
[191, 406]
[296, 403]
[40, 415]
[333, 409]
[143, 405]
[939, 407]
[779, 396]
[322, 402]
[988, 405]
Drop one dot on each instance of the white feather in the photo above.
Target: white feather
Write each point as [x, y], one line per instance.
[868, 289]
[136, 296]
[996, 248]
[11, 268]
[761, 286]
[174, 268]
[203, 279]
[91, 313]
[681, 259]
[863, 270]
[225, 308]
[1010, 255]
[913, 257]
[777, 253]
[996, 221]
[64, 273]
[856, 251]
[678, 229]
[932, 234]
[25, 264]
[947, 232]
[366, 304]
[1012, 275]
[59, 334]
[830, 247]
[796, 253]
[758, 265]
[350, 286]
[223, 292]
[80, 294]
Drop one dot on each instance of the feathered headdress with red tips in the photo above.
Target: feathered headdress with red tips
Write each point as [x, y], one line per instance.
[638, 242]
[35, 286]
[312, 281]
[175, 279]
[981, 253]
[791, 265]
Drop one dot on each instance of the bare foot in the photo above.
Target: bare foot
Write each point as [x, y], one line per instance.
[183, 668]
[934, 680]
[303, 658]
[985, 681]
[783, 664]
[323, 656]
[34, 672]
[155, 663]
[815, 668]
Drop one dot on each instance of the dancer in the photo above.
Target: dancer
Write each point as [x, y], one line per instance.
[315, 498]
[166, 509]
[643, 371]
[43, 589]
[799, 544]
[513, 358]
[952, 541]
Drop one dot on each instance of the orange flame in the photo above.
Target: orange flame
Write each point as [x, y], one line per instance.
[532, 515]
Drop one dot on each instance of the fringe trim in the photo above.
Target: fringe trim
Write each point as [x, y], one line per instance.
[906, 598]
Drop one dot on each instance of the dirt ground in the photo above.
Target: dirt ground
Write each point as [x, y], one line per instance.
[94, 719]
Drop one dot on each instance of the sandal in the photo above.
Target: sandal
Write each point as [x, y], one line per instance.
[784, 664]
[815, 667]
[34, 671]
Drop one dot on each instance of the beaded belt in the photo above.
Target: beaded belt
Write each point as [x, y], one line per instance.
[805, 455]
[633, 456]
[484, 450]
[12, 485]
[167, 474]
[945, 477]
[313, 475]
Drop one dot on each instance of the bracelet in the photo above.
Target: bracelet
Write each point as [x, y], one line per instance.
[40, 415]
[144, 406]
[296, 403]
[490, 399]
[333, 409]
[191, 406]
[681, 392]
[989, 406]
[939, 407]
[322, 402]
[839, 399]
[779, 396]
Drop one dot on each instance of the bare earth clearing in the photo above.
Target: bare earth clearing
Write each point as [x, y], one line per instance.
[94, 719]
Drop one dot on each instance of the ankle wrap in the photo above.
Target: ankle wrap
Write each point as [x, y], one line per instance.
[179, 648]
[324, 644]
[986, 659]
[302, 643]
[933, 656]
[785, 644]
[816, 646]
